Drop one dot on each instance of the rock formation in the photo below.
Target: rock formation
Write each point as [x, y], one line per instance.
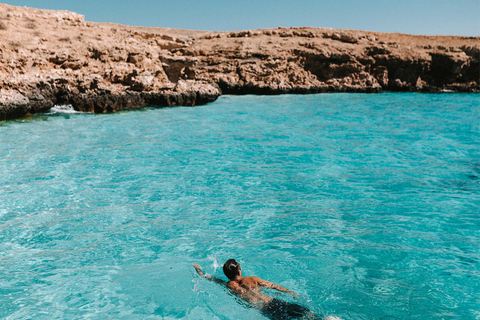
[55, 57]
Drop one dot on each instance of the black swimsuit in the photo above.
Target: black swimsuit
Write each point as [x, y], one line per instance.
[283, 310]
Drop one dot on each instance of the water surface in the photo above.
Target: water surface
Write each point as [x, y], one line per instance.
[366, 205]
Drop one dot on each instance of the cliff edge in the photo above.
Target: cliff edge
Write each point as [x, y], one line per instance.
[56, 57]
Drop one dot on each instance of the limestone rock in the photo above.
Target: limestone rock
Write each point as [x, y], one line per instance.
[345, 37]
[13, 104]
[142, 82]
[60, 58]
[197, 92]
[381, 74]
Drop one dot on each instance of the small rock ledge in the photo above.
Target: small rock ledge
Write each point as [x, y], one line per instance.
[16, 104]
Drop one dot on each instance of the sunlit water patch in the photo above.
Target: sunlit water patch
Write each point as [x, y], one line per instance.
[366, 205]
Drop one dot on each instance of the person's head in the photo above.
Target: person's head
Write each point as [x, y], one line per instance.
[232, 269]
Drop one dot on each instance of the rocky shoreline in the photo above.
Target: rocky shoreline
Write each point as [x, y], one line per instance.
[56, 57]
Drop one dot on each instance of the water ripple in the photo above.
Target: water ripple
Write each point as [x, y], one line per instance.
[367, 205]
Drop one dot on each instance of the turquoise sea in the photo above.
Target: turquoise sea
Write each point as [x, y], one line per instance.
[368, 206]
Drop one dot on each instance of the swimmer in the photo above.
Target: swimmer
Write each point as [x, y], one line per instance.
[249, 289]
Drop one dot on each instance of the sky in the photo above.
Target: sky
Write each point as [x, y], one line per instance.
[427, 17]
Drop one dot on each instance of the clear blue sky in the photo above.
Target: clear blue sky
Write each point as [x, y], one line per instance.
[432, 17]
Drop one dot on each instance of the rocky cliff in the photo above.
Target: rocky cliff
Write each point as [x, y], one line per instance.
[55, 57]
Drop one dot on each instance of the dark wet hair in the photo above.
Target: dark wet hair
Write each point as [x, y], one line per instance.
[231, 268]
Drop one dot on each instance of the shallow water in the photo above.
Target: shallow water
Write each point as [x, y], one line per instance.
[366, 205]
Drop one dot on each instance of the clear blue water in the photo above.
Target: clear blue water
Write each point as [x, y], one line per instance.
[366, 205]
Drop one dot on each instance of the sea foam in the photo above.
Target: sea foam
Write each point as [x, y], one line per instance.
[67, 108]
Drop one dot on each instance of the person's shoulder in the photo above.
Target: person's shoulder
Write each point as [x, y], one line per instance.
[253, 279]
[233, 284]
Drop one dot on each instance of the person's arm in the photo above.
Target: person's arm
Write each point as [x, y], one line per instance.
[207, 276]
[271, 285]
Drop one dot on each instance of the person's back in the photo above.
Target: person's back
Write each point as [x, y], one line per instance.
[249, 289]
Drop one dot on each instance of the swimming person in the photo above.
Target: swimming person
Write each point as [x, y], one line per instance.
[249, 289]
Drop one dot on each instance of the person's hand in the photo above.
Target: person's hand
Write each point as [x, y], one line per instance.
[198, 268]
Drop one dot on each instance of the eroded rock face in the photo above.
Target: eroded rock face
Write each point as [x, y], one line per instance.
[52, 57]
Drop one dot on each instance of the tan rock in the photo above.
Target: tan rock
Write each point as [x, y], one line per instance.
[61, 58]
[381, 75]
[143, 82]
